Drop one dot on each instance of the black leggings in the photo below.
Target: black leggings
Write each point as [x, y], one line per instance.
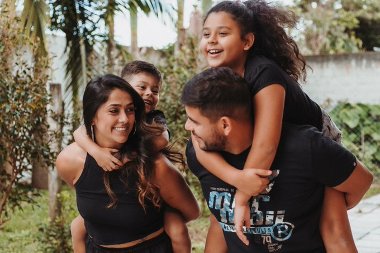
[159, 244]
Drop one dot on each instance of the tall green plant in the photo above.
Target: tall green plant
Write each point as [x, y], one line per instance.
[327, 28]
[179, 69]
[23, 101]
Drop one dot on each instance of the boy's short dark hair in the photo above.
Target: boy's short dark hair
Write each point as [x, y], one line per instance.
[218, 92]
[136, 67]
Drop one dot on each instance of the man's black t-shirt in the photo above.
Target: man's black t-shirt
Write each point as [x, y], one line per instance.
[287, 218]
[299, 109]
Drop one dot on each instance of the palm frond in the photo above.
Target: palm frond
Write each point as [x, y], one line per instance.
[34, 19]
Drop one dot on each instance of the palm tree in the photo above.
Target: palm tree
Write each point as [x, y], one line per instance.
[34, 20]
[180, 28]
[156, 7]
[79, 20]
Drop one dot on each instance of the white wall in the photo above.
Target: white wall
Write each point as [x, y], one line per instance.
[350, 77]
[56, 46]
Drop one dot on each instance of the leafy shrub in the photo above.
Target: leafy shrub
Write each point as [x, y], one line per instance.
[360, 125]
[23, 101]
[55, 237]
[179, 68]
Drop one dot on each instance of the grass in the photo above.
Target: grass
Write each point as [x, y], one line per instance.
[19, 234]
[198, 231]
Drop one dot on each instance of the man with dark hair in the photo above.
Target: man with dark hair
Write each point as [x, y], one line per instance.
[286, 217]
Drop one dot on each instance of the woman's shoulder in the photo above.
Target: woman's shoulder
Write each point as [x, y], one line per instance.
[72, 153]
[70, 162]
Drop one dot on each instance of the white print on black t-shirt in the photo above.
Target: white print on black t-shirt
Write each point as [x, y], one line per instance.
[270, 225]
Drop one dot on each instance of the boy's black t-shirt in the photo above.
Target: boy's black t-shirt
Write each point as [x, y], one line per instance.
[156, 116]
[286, 219]
[299, 109]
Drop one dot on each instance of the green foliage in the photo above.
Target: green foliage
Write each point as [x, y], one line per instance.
[55, 237]
[23, 101]
[343, 26]
[30, 229]
[360, 125]
[176, 71]
[327, 28]
[179, 68]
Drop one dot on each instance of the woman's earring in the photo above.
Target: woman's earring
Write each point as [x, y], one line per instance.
[92, 133]
[134, 131]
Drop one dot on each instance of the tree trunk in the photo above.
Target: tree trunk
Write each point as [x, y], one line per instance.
[56, 126]
[111, 40]
[134, 46]
[206, 5]
[39, 168]
[180, 30]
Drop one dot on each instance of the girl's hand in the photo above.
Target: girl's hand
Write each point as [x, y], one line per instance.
[106, 160]
[241, 215]
[253, 181]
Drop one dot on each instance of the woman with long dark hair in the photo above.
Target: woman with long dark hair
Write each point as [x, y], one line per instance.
[123, 209]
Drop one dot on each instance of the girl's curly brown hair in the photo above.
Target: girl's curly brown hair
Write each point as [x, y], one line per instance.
[268, 25]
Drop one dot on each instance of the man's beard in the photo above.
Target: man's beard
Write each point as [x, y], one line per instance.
[216, 142]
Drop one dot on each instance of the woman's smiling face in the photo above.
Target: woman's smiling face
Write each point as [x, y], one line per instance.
[114, 120]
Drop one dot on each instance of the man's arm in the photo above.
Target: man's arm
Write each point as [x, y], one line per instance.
[356, 185]
[215, 239]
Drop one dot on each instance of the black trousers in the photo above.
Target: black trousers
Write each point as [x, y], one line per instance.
[159, 244]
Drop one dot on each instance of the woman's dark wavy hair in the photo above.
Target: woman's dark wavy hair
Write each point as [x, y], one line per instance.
[268, 25]
[140, 155]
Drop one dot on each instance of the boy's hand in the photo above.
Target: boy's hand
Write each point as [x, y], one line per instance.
[106, 160]
[253, 181]
[242, 215]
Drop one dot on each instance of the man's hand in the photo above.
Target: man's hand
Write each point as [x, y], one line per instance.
[105, 158]
[253, 181]
[241, 215]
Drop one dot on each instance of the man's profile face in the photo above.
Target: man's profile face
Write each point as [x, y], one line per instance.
[205, 132]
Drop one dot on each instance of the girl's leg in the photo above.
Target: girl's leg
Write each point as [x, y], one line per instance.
[176, 229]
[334, 224]
[78, 235]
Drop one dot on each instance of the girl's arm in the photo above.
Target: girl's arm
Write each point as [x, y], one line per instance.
[251, 182]
[268, 108]
[215, 241]
[174, 190]
[102, 156]
[356, 185]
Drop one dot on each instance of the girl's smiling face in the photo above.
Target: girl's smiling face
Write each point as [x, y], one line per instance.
[222, 43]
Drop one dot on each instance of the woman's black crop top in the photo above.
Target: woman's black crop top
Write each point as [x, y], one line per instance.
[124, 223]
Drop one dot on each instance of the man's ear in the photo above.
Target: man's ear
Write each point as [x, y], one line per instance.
[249, 39]
[225, 125]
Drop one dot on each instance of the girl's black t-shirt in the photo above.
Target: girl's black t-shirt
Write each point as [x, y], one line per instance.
[299, 109]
